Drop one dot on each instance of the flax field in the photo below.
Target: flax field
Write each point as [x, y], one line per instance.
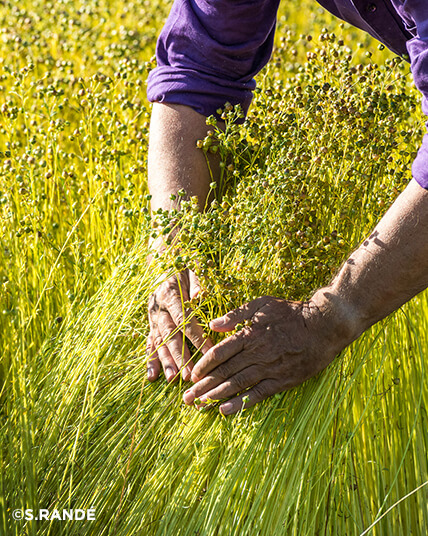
[327, 146]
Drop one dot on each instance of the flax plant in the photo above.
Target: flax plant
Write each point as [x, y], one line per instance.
[326, 147]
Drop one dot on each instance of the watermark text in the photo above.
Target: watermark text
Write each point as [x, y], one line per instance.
[48, 515]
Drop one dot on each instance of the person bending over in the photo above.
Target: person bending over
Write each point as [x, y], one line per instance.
[208, 53]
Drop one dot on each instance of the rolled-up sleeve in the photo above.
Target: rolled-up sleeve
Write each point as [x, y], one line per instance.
[417, 10]
[209, 52]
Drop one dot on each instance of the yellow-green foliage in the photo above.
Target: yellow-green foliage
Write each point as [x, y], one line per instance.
[326, 148]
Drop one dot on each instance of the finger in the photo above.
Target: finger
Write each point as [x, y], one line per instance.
[249, 398]
[194, 331]
[228, 321]
[159, 316]
[173, 338]
[189, 324]
[219, 375]
[153, 363]
[217, 355]
[234, 385]
[194, 285]
[168, 364]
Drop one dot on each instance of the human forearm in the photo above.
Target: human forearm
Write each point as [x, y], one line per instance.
[174, 161]
[387, 270]
[285, 343]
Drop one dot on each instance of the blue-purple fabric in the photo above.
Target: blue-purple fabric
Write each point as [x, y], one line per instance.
[210, 50]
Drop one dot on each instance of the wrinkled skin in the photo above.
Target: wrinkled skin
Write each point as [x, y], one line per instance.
[285, 344]
[165, 345]
[388, 269]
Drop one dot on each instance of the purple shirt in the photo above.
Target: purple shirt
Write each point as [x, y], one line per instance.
[210, 50]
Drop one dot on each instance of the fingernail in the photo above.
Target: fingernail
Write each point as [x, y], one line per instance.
[227, 408]
[188, 397]
[194, 378]
[150, 374]
[169, 373]
[186, 373]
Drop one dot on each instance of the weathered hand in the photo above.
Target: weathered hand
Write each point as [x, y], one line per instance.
[165, 344]
[283, 344]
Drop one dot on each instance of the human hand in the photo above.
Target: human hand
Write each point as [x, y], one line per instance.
[281, 344]
[168, 318]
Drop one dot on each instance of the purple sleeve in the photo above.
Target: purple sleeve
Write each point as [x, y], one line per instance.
[417, 47]
[209, 52]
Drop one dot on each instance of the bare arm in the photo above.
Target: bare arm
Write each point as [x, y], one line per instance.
[288, 342]
[175, 163]
[390, 267]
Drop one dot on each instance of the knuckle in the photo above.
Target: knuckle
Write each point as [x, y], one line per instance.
[164, 320]
[153, 305]
[173, 304]
[261, 391]
[216, 354]
[164, 334]
[166, 330]
[223, 372]
[240, 381]
[153, 360]
[170, 284]
[177, 314]
[158, 341]
[252, 343]
[178, 358]
[259, 320]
